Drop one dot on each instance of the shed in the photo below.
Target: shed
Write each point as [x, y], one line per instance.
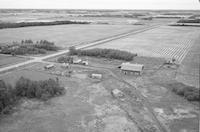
[96, 76]
[85, 63]
[49, 66]
[117, 93]
[132, 68]
[76, 60]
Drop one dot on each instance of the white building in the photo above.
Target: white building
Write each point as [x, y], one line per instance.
[96, 76]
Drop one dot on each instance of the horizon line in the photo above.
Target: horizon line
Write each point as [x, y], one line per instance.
[91, 9]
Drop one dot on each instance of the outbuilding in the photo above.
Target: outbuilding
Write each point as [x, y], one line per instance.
[76, 60]
[132, 68]
[96, 76]
[50, 66]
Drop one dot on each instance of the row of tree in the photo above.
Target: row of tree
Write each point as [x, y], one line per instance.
[29, 47]
[106, 53]
[188, 92]
[24, 87]
[28, 24]
[189, 21]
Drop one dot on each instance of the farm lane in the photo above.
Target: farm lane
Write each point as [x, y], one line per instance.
[39, 59]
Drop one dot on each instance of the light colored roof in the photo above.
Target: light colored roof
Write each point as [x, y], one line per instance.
[132, 67]
[49, 66]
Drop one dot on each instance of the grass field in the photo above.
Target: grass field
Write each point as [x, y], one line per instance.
[6, 60]
[65, 35]
[164, 42]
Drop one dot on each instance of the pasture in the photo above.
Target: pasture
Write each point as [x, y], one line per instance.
[65, 35]
[165, 41]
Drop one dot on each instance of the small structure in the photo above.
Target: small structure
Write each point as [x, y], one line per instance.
[76, 60]
[65, 65]
[132, 68]
[170, 61]
[117, 93]
[84, 63]
[96, 76]
[50, 66]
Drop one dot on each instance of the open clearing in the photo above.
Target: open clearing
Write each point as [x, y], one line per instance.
[164, 42]
[66, 35]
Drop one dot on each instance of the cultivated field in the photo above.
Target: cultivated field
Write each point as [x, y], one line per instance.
[164, 42]
[65, 35]
[189, 70]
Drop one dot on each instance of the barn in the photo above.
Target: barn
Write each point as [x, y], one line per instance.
[132, 68]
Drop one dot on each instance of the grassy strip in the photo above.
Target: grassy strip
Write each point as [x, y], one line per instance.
[29, 24]
[24, 87]
[106, 53]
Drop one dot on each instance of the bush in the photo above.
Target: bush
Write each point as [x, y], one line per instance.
[38, 89]
[106, 53]
[7, 96]
[65, 59]
[27, 88]
[188, 92]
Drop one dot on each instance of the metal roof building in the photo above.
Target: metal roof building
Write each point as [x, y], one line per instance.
[129, 67]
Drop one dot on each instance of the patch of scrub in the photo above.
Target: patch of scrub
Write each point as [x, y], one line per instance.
[174, 113]
[108, 109]
[98, 94]
[118, 124]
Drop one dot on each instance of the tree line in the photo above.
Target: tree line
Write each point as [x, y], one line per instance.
[106, 53]
[29, 47]
[189, 21]
[24, 87]
[28, 24]
[188, 92]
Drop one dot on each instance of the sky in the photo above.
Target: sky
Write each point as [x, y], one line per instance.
[102, 4]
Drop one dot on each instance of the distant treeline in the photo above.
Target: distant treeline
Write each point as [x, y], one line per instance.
[106, 53]
[28, 24]
[24, 87]
[28, 47]
[189, 21]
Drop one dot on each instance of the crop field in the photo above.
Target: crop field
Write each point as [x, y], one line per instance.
[6, 60]
[164, 42]
[65, 35]
[189, 70]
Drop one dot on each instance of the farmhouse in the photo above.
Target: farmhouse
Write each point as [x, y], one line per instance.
[132, 68]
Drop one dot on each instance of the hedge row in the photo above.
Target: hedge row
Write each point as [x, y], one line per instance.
[106, 53]
[188, 92]
[28, 24]
[28, 47]
[189, 21]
